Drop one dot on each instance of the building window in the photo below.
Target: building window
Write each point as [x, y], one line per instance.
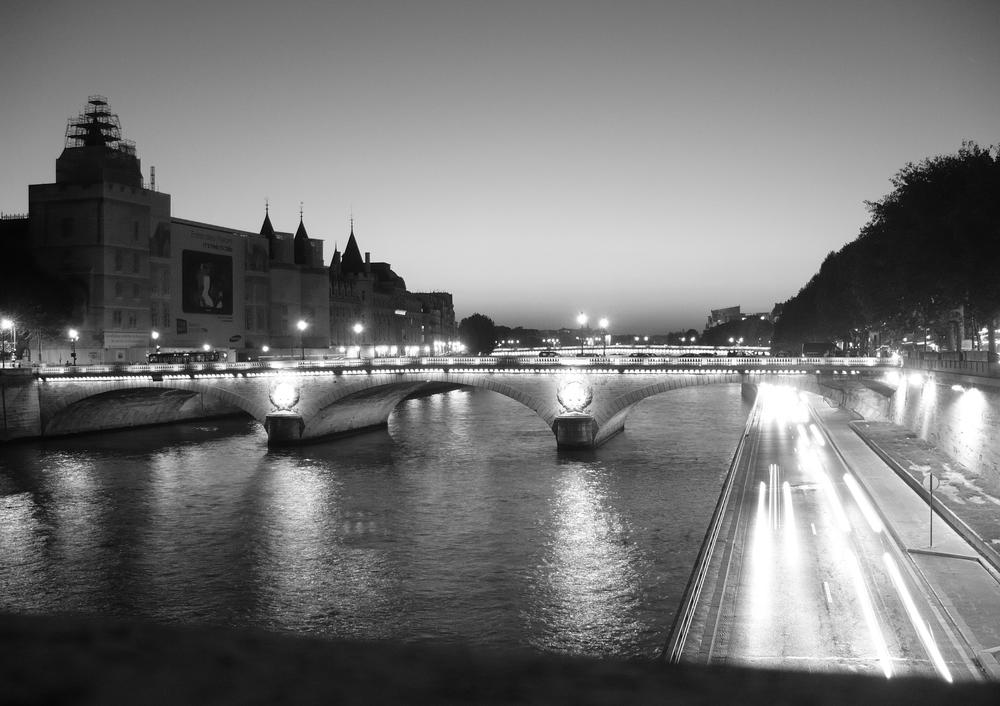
[135, 231]
[135, 290]
[118, 289]
[118, 260]
[166, 315]
[116, 319]
[154, 317]
[131, 320]
[135, 262]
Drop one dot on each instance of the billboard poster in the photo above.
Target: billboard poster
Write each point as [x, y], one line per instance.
[208, 283]
[207, 291]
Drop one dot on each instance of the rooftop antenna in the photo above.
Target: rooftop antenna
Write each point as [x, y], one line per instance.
[267, 206]
[300, 210]
[152, 178]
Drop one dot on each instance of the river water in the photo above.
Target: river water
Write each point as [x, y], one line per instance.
[459, 524]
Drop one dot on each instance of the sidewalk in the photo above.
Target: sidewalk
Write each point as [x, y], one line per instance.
[960, 567]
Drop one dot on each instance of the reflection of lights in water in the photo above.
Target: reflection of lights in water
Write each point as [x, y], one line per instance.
[918, 622]
[589, 571]
[308, 573]
[878, 639]
[24, 539]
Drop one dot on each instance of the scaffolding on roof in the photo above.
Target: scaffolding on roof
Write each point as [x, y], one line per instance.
[97, 126]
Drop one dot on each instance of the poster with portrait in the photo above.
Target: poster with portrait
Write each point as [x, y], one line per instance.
[207, 283]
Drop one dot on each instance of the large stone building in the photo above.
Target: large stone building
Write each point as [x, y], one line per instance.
[146, 279]
[370, 306]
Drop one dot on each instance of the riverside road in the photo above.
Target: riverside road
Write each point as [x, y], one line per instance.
[823, 562]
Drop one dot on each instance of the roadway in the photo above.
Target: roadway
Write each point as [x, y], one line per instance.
[812, 577]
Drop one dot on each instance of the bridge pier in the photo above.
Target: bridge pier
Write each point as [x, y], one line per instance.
[283, 428]
[575, 431]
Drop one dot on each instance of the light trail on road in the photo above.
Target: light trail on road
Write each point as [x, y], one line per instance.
[820, 590]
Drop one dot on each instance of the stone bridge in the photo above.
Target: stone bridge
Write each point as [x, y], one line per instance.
[584, 402]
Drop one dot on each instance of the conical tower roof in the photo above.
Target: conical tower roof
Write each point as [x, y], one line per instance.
[303, 249]
[352, 262]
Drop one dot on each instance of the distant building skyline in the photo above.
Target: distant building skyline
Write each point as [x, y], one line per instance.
[642, 161]
[143, 278]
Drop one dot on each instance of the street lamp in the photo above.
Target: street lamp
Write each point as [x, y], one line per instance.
[358, 328]
[5, 325]
[302, 326]
[603, 323]
[582, 320]
[73, 336]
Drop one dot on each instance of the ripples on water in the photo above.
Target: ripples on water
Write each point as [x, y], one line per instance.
[459, 524]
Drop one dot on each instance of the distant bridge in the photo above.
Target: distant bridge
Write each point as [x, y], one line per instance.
[584, 400]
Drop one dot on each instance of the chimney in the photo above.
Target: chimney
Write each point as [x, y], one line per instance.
[368, 263]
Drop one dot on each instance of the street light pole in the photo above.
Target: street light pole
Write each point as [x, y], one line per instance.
[582, 320]
[358, 328]
[5, 324]
[73, 336]
[603, 323]
[302, 325]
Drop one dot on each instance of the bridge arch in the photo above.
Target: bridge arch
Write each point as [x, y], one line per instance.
[136, 402]
[369, 401]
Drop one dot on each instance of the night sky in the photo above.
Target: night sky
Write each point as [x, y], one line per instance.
[645, 161]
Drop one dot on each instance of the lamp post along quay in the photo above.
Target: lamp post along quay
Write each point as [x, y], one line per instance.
[358, 328]
[302, 326]
[74, 335]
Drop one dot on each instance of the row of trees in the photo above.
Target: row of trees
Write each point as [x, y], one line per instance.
[927, 260]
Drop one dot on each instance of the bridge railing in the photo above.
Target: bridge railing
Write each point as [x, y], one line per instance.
[960, 362]
[491, 362]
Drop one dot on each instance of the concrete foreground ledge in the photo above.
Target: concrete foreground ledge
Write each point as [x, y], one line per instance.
[82, 660]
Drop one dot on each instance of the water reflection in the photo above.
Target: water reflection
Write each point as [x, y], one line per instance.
[588, 577]
[459, 523]
[315, 567]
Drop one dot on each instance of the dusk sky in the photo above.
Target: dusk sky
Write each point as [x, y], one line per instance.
[645, 161]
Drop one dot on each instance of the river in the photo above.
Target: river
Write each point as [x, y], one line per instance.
[458, 524]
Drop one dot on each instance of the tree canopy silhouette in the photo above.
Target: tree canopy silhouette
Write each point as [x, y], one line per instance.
[478, 333]
[931, 247]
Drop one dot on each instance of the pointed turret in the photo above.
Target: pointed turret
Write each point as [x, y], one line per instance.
[335, 264]
[267, 230]
[352, 262]
[303, 250]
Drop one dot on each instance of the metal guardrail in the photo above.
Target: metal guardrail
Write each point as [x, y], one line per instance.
[677, 636]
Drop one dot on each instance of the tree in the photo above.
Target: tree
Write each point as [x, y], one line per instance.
[40, 304]
[930, 247]
[478, 333]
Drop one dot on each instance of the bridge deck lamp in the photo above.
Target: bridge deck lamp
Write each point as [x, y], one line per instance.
[582, 320]
[302, 326]
[603, 323]
[73, 336]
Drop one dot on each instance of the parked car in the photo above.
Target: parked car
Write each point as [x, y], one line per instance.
[548, 354]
